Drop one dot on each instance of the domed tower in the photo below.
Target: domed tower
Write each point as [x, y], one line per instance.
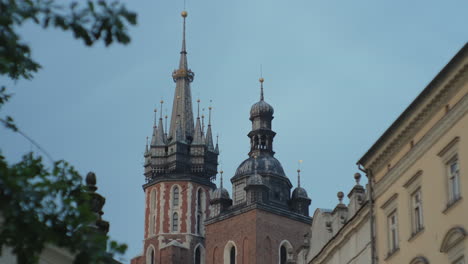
[261, 158]
[179, 169]
[263, 225]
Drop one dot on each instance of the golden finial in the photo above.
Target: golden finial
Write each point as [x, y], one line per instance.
[162, 101]
[184, 14]
[261, 79]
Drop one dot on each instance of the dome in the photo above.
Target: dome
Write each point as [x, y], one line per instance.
[299, 192]
[255, 179]
[266, 164]
[220, 193]
[261, 108]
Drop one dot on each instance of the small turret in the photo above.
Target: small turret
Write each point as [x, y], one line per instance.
[300, 201]
[220, 200]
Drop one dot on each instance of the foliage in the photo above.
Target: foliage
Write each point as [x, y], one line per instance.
[41, 205]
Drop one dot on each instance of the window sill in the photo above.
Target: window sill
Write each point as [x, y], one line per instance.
[392, 253]
[451, 204]
[416, 234]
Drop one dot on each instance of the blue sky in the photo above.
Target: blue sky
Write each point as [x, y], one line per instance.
[338, 73]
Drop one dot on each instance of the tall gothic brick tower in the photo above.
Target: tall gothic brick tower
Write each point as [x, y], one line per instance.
[179, 169]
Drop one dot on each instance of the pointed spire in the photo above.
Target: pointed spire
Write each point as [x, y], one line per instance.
[182, 106]
[209, 136]
[183, 52]
[261, 88]
[221, 179]
[165, 131]
[203, 121]
[217, 147]
[198, 135]
[299, 174]
[155, 129]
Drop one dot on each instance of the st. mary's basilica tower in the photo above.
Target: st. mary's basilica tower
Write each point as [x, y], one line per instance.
[189, 220]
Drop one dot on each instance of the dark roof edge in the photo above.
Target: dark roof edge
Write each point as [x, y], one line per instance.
[416, 102]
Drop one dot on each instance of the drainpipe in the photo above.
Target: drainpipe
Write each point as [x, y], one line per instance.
[369, 175]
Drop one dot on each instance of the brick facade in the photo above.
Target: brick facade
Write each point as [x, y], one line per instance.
[257, 235]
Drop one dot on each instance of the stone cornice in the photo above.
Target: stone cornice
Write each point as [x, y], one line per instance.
[173, 178]
[440, 128]
[420, 111]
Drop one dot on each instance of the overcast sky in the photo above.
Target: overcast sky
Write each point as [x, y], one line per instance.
[338, 73]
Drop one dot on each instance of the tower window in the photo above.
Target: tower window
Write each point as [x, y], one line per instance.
[199, 224]
[283, 255]
[232, 255]
[175, 222]
[197, 256]
[175, 197]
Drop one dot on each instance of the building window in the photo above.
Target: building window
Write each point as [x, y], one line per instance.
[199, 224]
[175, 197]
[232, 256]
[392, 232]
[454, 180]
[283, 255]
[417, 211]
[152, 223]
[175, 222]
[197, 256]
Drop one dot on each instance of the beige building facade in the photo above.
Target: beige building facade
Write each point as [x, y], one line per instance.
[418, 171]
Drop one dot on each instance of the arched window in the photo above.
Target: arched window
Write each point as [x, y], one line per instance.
[283, 255]
[197, 256]
[232, 256]
[175, 197]
[199, 200]
[150, 255]
[284, 250]
[230, 253]
[152, 200]
[175, 222]
[199, 223]
[151, 224]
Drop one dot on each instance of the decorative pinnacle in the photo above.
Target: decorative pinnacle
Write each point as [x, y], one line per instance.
[357, 177]
[209, 114]
[162, 102]
[166, 124]
[340, 196]
[299, 173]
[198, 111]
[155, 114]
[261, 88]
[221, 178]
[91, 181]
[184, 15]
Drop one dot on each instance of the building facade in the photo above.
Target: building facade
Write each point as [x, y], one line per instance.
[418, 172]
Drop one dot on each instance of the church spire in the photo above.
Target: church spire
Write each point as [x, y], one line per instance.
[160, 137]
[198, 135]
[182, 105]
[209, 135]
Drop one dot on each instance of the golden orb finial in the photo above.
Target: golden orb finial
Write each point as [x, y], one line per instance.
[184, 14]
[261, 79]
[162, 101]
